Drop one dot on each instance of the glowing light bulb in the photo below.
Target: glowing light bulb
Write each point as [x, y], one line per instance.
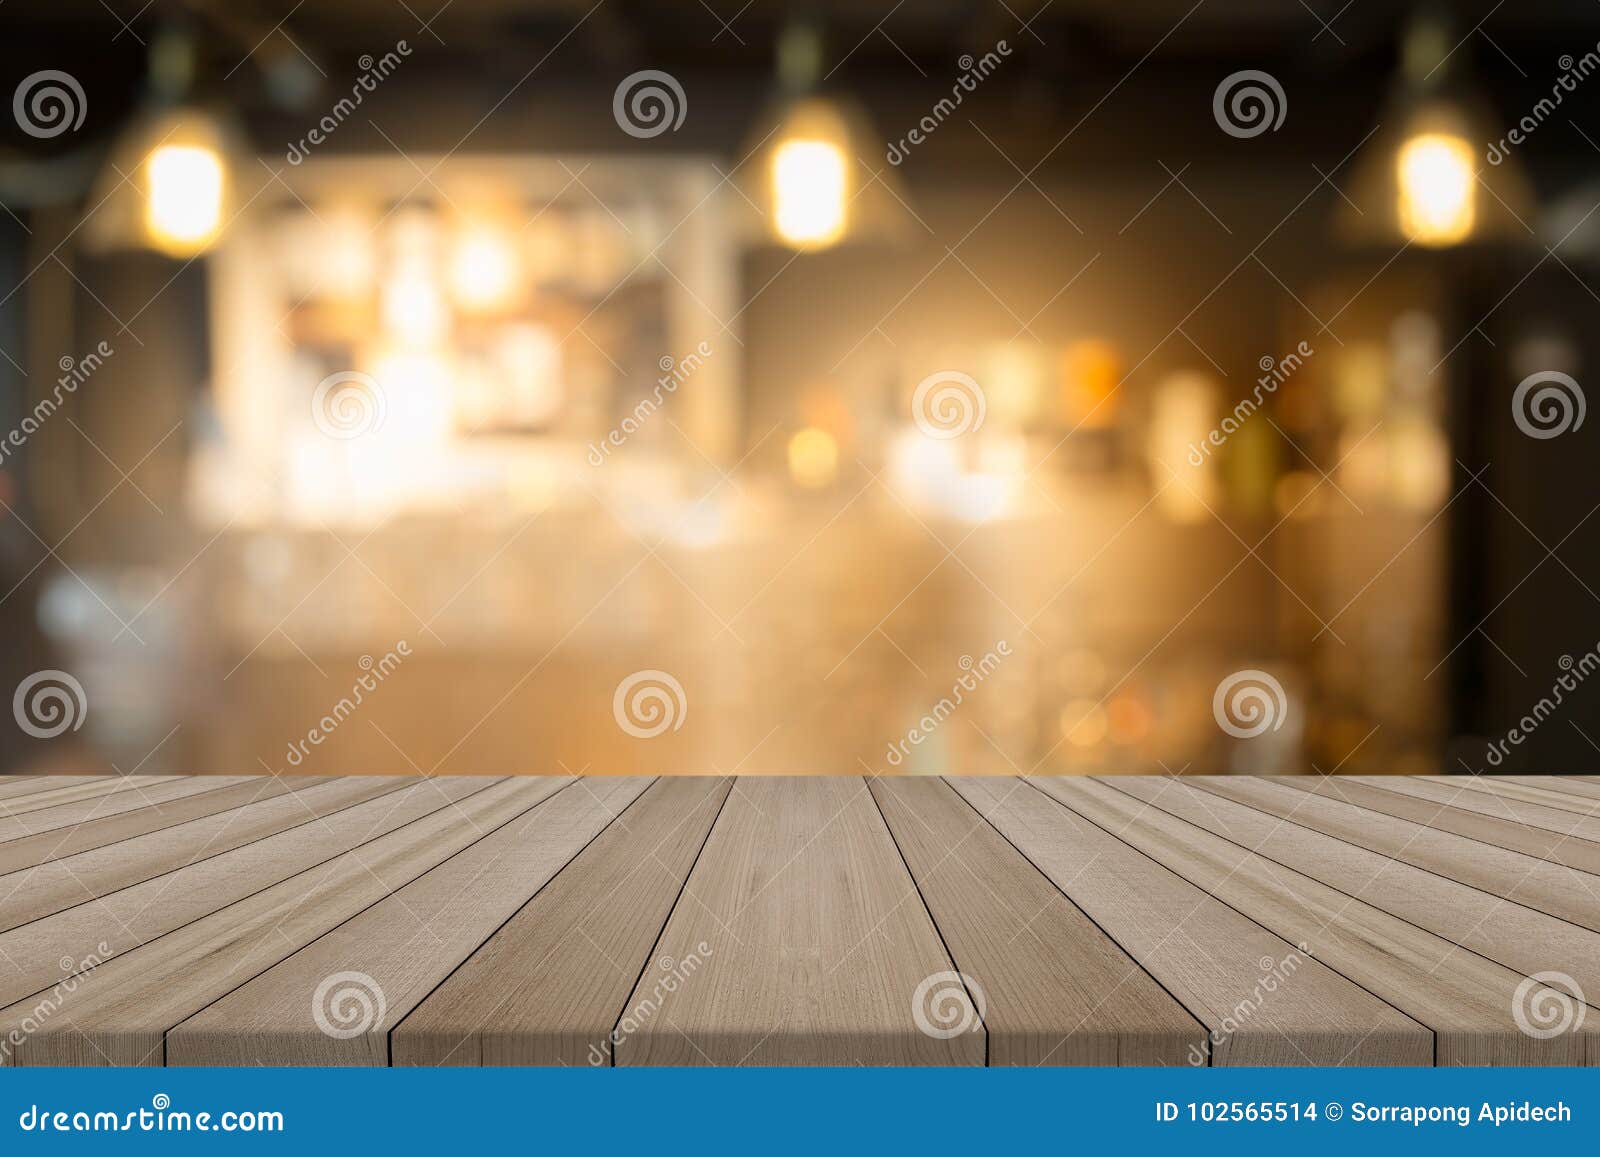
[483, 272]
[183, 197]
[1438, 189]
[809, 183]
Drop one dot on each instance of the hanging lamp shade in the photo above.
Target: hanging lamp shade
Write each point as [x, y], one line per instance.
[170, 184]
[814, 173]
[1431, 175]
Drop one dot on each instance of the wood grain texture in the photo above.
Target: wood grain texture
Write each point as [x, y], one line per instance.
[13, 786]
[810, 940]
[403, 947]
[551, 986]
[1466, 1000]
[534, 920]
[1581, 854]
[1511, 789]
[1262, 1000]
[84, 787]
[1532, 882]
[1057, 990]
[90, 833]
[120, 1012]
[1565, 784]
[14, 827]
[1456, 793]
[51, 887]
[1499, 929]
[31, 956]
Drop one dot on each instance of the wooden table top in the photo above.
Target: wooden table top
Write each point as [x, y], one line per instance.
[151, 920]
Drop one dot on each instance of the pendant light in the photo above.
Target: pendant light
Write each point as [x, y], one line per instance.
[813, 167]
[1428, 176]
[169, 184]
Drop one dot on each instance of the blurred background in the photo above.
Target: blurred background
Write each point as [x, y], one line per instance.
[934, 386]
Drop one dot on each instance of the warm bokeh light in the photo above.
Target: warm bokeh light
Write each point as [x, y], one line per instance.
[809, 191]
[483, 271]
[813, 458]
[1438, 190]
[414, 311]
[183, 197]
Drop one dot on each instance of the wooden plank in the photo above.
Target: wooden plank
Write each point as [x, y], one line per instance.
[1496, 786]
[1499, 929]
[1547, 845]
[120, 1012]
[59, 843]
[1566, 784]
[15, 827]
[402, 947]
[1057, 989]
[32, 955]
[1485, 803]
[88, 789]
[1530, 881]
[34, 893]
[550, 986]
[809, 939]
[1262, 1000]
[1466, 1000]
[12, 786]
